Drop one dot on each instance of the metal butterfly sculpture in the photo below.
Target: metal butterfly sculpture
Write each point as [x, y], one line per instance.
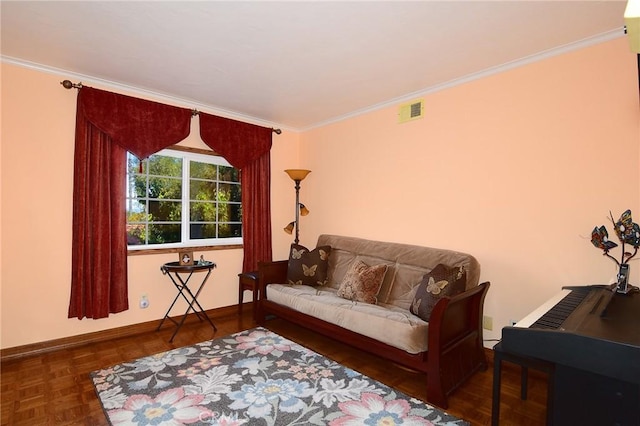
[628, 233]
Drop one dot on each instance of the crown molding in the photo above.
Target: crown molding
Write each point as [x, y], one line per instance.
[600, 38]
[156, 96]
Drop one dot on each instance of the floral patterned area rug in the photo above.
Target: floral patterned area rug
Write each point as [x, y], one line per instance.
[254, 377]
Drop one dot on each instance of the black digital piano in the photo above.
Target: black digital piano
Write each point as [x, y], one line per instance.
[589, 339]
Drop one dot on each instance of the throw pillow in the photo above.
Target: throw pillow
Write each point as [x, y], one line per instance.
[442, 281]
[362, 283]
[308, 267]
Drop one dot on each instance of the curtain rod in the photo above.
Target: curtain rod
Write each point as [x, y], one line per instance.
[69, 85]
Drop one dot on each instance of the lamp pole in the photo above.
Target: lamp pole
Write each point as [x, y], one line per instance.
[297, 181]
[297, 175]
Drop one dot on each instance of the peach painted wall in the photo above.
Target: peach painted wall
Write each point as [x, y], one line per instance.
[515, 168]
[38, 118]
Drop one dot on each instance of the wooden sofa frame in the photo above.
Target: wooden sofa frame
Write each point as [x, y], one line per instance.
[455, 335]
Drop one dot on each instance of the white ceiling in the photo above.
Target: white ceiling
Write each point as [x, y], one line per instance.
[295, 64]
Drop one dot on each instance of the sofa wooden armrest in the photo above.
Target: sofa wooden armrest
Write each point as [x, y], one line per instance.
[272, 272]
[456, 347]
[269, 273]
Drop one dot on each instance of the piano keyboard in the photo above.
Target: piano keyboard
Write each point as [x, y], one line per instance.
[561, 311]
[555, 310]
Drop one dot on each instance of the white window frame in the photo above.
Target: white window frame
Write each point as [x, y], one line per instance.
[187, 242]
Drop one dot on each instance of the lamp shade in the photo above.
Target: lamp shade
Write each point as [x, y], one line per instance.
[303, 210]
[632, 22]
[289, 228]
[297, 174]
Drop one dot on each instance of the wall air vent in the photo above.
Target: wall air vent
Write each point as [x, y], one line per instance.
[411, 111]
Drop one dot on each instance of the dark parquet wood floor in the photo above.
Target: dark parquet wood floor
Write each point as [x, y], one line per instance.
[55, 389]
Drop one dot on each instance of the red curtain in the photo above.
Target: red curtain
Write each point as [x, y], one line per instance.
[107, 126]
[247, 147]
[99, 257]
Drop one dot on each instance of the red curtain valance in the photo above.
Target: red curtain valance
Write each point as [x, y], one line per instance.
[141, 127]
[239, 143]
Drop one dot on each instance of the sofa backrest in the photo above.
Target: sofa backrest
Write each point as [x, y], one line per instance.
[406, 264]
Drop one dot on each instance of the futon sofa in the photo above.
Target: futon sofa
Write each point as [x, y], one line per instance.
[447, 346]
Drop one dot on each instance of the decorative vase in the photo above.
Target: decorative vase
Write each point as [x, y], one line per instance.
[623, 279]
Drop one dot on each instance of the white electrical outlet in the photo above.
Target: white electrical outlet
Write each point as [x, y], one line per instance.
[487, 322]
[144, 302]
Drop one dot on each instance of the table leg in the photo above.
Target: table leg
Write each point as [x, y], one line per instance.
[192, 301]
[497, 378]
[170, 307]
[256, 297]
[524, 382]
[240, 296]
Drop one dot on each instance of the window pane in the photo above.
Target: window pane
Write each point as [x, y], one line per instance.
[136, 234]
[137, 186]
[167, 188]
[228, 174]
[229, 192]
[136, 210]
[228, 212]
[229, 230]
[164, 233]
[165, 211]
[202, 190]
[203, 170]
[133, 164]
[161, 165]
[199, 231]
[202, 211]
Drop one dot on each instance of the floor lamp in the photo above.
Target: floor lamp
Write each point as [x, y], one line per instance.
[298, 176]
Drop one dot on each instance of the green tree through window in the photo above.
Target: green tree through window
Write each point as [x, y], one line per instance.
[177, 198]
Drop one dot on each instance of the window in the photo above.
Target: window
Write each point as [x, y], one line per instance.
[182, 199]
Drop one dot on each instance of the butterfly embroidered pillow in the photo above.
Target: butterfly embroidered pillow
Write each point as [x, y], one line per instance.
[442, 281]
[308, 267]
[362, 283]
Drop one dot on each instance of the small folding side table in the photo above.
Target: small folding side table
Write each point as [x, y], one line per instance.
[174, 270]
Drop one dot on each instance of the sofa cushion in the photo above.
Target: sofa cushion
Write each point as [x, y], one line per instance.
[442, 281]
[386, 323]
[362, 282]
[308, 267]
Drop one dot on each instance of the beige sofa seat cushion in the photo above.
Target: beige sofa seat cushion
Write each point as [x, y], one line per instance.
[389, 324]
